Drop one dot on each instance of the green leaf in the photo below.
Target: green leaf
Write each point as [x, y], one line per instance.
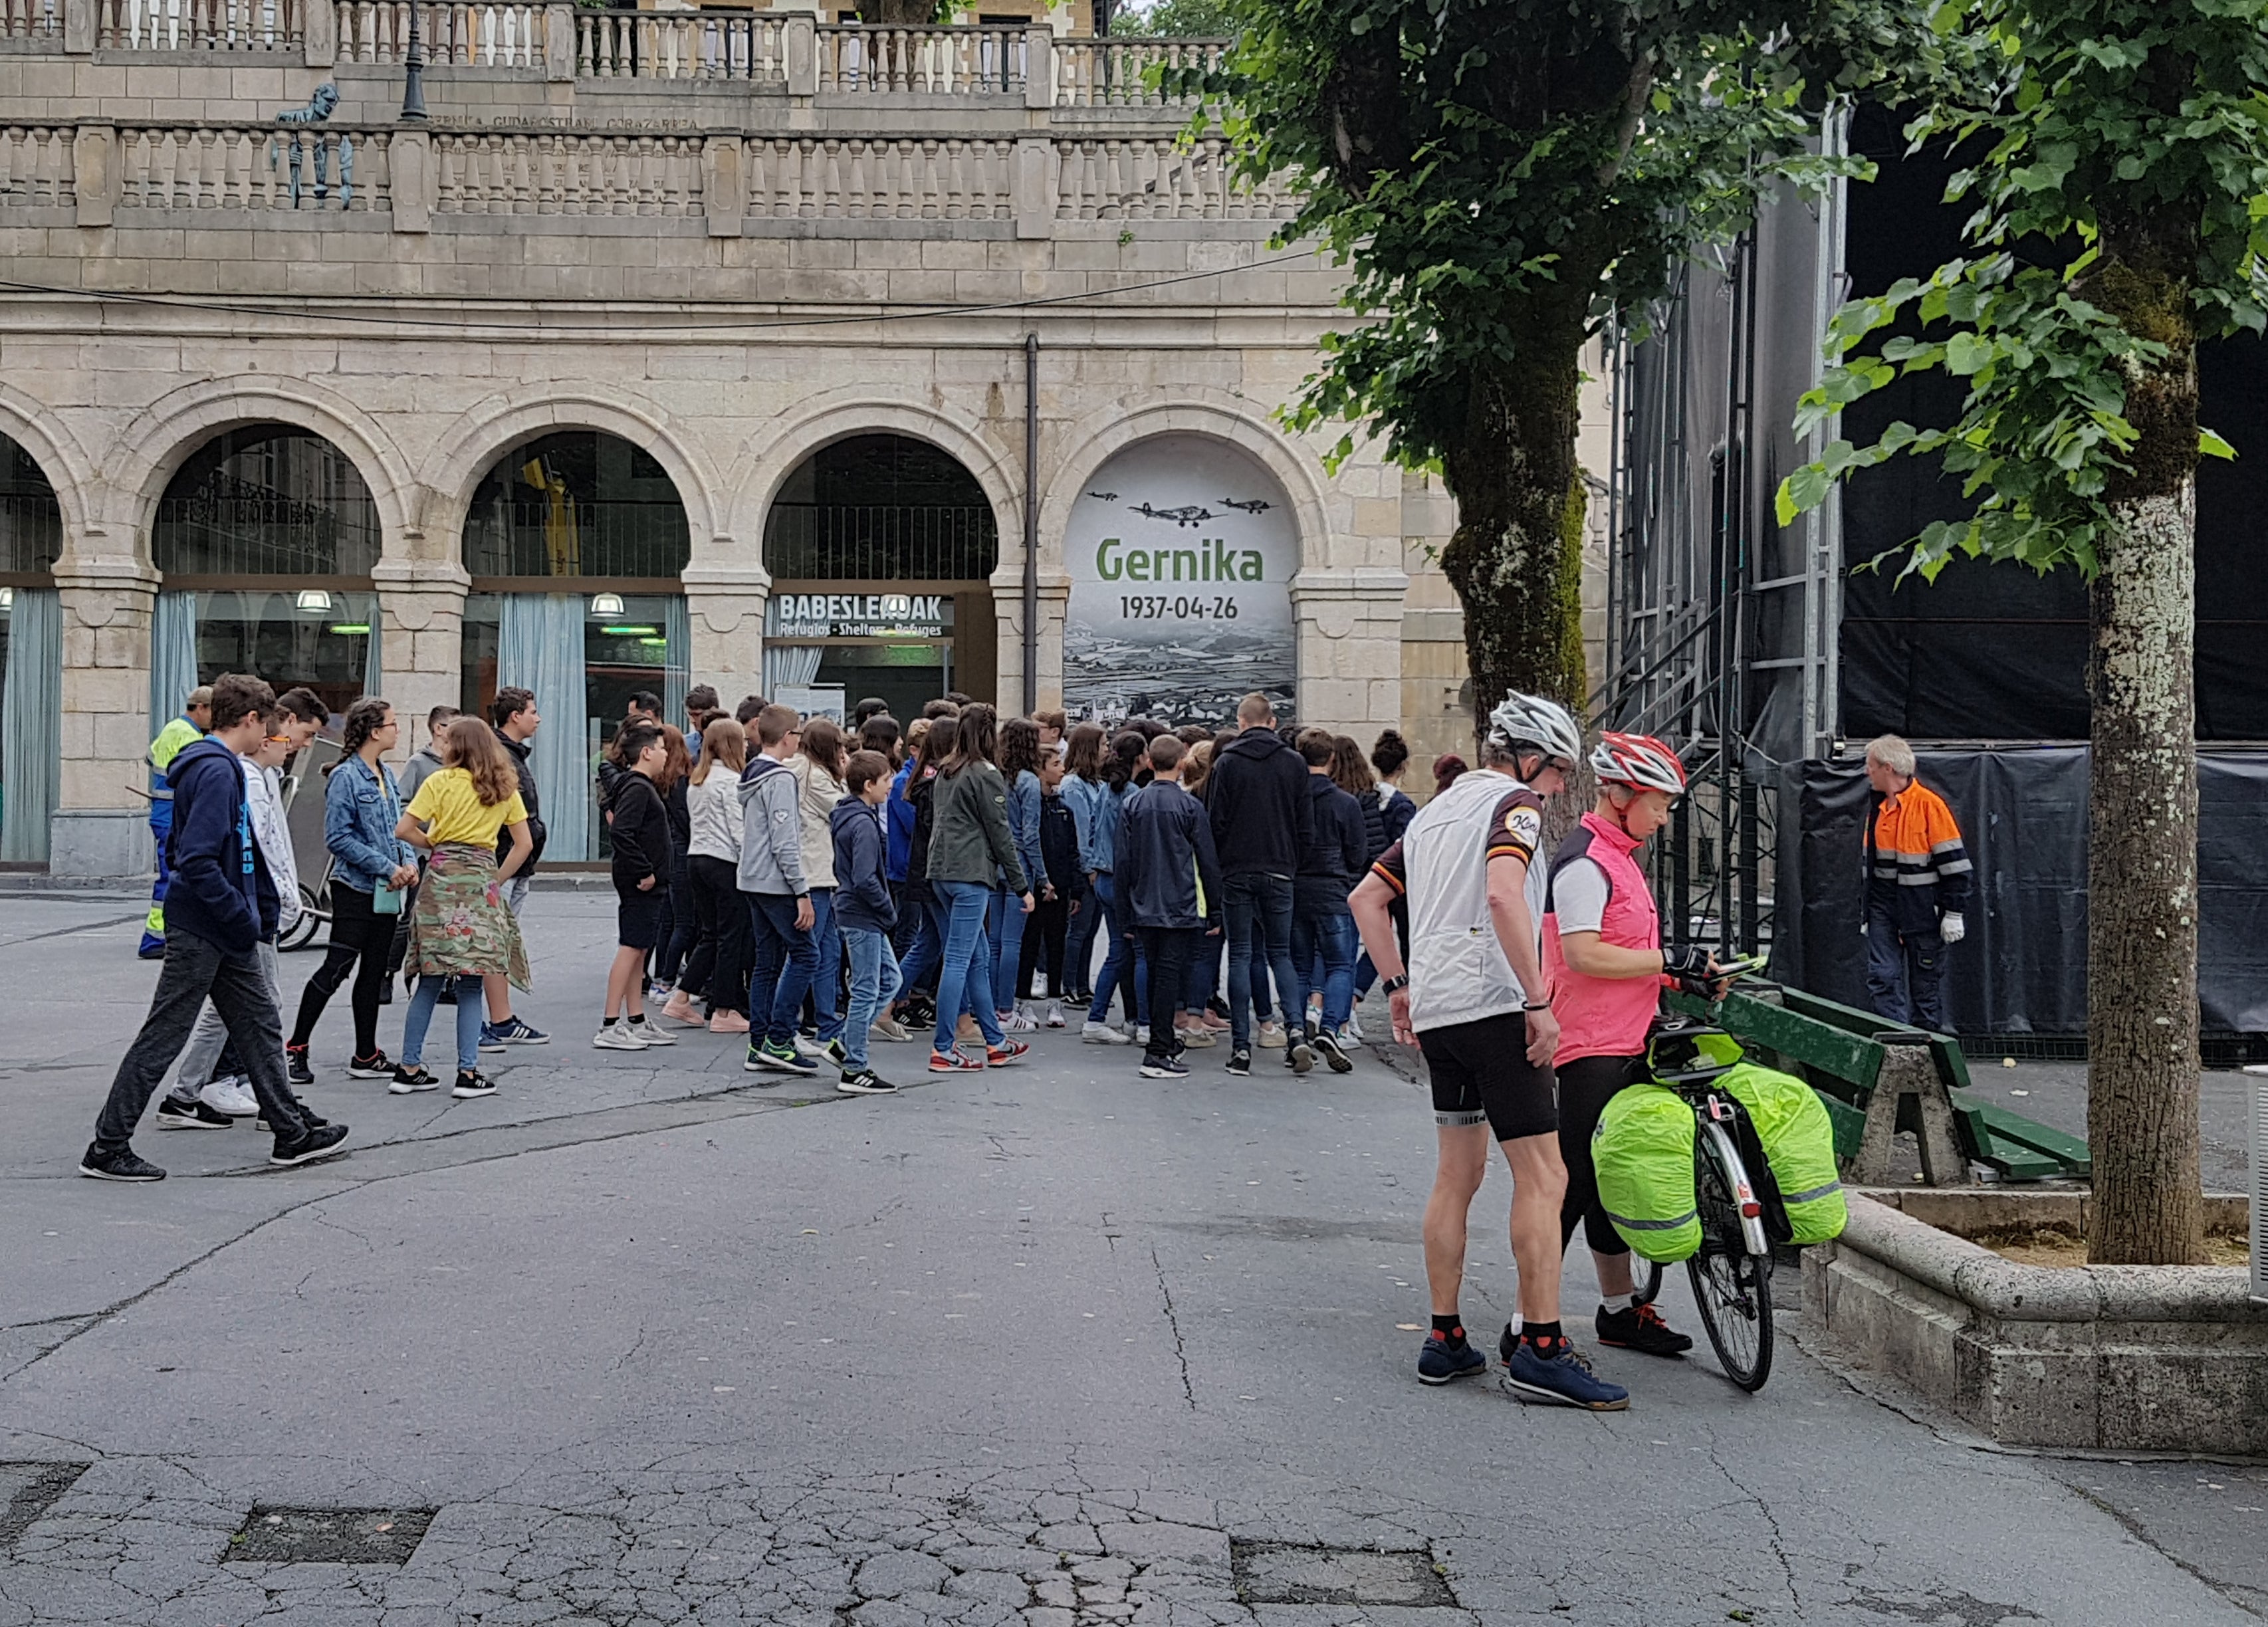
[2211, 445]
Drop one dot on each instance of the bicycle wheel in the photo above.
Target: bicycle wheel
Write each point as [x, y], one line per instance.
[1649, 1282]
[1731, 1287]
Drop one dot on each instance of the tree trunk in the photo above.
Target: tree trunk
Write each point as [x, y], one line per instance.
[2141, 935]
[1513, 472]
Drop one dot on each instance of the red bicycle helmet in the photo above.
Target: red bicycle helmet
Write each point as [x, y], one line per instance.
[1639, 761]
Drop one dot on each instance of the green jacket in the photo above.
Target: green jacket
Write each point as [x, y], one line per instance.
[968, 836]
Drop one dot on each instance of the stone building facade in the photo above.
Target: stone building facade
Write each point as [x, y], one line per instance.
[721, 242]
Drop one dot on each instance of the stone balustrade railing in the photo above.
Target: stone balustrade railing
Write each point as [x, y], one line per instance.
[560, 42]
[415, 173]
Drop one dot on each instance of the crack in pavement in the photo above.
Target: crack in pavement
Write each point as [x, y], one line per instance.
[1173, 1321]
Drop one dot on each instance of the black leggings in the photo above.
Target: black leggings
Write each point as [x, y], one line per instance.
[357, 934]
[1586, 1085]
[1043, 947]
[718, 965]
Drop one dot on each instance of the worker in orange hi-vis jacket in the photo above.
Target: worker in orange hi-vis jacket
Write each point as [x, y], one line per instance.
[1918, 879]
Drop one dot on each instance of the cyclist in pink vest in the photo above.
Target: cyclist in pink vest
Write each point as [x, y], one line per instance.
[1602, 954]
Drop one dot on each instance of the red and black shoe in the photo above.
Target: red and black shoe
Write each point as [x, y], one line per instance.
[1005, 1052]
[953, 1062]
[1640, 1328]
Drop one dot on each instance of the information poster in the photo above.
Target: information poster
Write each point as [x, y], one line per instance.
[1181, 552]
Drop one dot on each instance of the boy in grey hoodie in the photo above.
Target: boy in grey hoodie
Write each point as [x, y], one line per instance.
[779, 899]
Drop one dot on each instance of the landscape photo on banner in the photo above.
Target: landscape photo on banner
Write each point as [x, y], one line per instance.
[1181, 552]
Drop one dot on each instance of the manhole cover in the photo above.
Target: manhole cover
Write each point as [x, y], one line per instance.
[30, 1489]
[1289, 1573]
[329, 1535]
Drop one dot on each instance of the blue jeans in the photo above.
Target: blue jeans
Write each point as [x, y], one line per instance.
[1118, 954]
[873, 981]
[1259, 910]
[470, 1010]
[965, 979]
[1007, 943]
[827, 956]
[917, 967]
[1324, 938]
[786, 957]
[1203, 975]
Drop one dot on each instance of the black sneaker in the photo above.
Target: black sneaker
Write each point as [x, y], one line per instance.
[471, 1084]
[834, 1052]
[377, 1065]
[1299, 1055]
[1640, 1328]
[123, 1164]
[316, 1143]
[173, 1115]
[295, 1065]
[1164, 1068]
[865, 1082]
[1327, 1046]
[409, 1078]
[1240, 1063]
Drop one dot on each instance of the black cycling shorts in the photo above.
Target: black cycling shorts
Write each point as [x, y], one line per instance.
[1482, 1075]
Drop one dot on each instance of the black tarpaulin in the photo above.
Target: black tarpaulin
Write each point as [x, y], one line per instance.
[2023, 816]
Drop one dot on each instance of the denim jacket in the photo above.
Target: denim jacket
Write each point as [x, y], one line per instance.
[1096, 809]
[1024, 802]
[360, 810]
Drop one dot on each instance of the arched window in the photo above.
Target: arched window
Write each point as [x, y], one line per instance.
[31, 656]
[882, 550]
[576, 541]
[267, 537]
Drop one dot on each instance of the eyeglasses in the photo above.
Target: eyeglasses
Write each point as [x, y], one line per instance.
[279, 739]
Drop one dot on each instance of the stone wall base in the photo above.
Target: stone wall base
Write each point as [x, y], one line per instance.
[2107, 1358]
[108, 842]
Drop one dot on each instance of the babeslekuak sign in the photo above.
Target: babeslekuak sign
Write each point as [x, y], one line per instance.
[1181, 553]
[854, 616]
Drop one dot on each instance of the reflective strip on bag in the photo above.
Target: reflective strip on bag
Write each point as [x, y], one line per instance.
[1687, 1218]
[1829, 1191]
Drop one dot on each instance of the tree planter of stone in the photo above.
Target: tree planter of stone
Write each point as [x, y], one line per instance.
[2113, 1357]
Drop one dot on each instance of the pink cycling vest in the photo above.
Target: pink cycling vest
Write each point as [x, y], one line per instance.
[1606, 1016]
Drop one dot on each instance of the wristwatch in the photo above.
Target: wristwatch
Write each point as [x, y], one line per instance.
[1395, 984]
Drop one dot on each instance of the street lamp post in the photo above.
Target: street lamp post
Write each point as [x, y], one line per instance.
[413, 74]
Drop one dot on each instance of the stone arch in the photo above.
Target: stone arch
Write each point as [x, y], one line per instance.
[51, 444]
[162, 436]
[1092, 441]
[761, 474]
[464, 451]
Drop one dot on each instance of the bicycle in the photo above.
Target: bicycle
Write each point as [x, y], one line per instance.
[1731, 1271]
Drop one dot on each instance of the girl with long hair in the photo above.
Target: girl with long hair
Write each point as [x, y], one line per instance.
[678, 929]
[641, 845]
[1386, 813]
[1083, 790]
[718, 968]
[362, 803]
[969, 849]
[1128, 760]
[1019, 766]
[818, 771]
[933, 739]
[462, 929]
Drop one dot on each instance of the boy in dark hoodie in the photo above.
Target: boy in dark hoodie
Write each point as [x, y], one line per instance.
[1169, 890]
[221, 904]
[1257, 799]
[1322, 928]
[864, 910]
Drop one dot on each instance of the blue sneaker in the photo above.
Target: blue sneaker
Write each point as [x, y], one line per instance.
[511, 1031]
[1437, 1363]
[781, 1058]
[1565, 1380]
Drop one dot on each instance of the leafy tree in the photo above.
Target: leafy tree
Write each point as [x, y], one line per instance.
[2122, 212]
[1499, 175]
[1169, 19]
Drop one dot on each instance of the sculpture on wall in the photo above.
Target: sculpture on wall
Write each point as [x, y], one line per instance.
[319, 109]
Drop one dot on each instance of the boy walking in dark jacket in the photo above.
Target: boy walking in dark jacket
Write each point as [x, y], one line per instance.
[1262, 820]
[1322, 927]
[864, 910]
[221, 904]
[1169, 890]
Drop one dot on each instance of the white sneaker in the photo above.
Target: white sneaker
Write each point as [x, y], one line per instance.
[806, 1046]
[1142, 1034]
[1103, 1034]
[1351, 1035]
[1196, 1039]
[1271, 1037]
[617, 1036]
[652, 1032]
[1055, 1016]
[231, 1096]
[1020, 1020]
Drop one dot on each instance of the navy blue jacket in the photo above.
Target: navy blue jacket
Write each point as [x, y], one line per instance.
[1164, 851]
[862, 888]
[1339, 850]
[221, 890]
[1257, 795]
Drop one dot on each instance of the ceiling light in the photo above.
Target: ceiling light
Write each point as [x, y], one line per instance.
[606, 603]
[315, 600]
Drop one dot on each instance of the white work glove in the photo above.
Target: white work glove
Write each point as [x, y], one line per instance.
[1952, 929]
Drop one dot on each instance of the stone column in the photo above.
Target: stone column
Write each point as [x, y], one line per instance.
[421, 607]
[1349, 628]
[102, 822]
[725, 609]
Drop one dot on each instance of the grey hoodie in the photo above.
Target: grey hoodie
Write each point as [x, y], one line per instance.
[771, 829]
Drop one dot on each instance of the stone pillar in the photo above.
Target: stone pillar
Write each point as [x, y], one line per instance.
[723, 183]
[1039, 67]
[800, 45]
[559, 47]
[320, 39]
[1035, 182]
[1348, 624]
[410, 163]
[80, 19]
[421, 606]
[724, 608]
[94, 171]
[102, 820]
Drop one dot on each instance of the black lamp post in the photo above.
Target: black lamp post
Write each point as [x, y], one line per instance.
[413, 74]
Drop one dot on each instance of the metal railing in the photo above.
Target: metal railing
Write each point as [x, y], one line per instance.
[229, 527]
[895, 542]
[591, 537]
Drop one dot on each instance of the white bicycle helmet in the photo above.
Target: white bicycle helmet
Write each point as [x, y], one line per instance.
[1639, 761]
[1532, 720]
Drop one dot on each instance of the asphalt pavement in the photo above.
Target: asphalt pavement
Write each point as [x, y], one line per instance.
[640, 1339]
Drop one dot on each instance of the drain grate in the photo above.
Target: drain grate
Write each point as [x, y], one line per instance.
[30, 1489]
[276, 1536]
[1292, 1573]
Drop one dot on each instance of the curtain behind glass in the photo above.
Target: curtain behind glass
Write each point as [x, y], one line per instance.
[789, 666]
[173, 657]
[539, 648]
[677, 669]
[31, 722]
